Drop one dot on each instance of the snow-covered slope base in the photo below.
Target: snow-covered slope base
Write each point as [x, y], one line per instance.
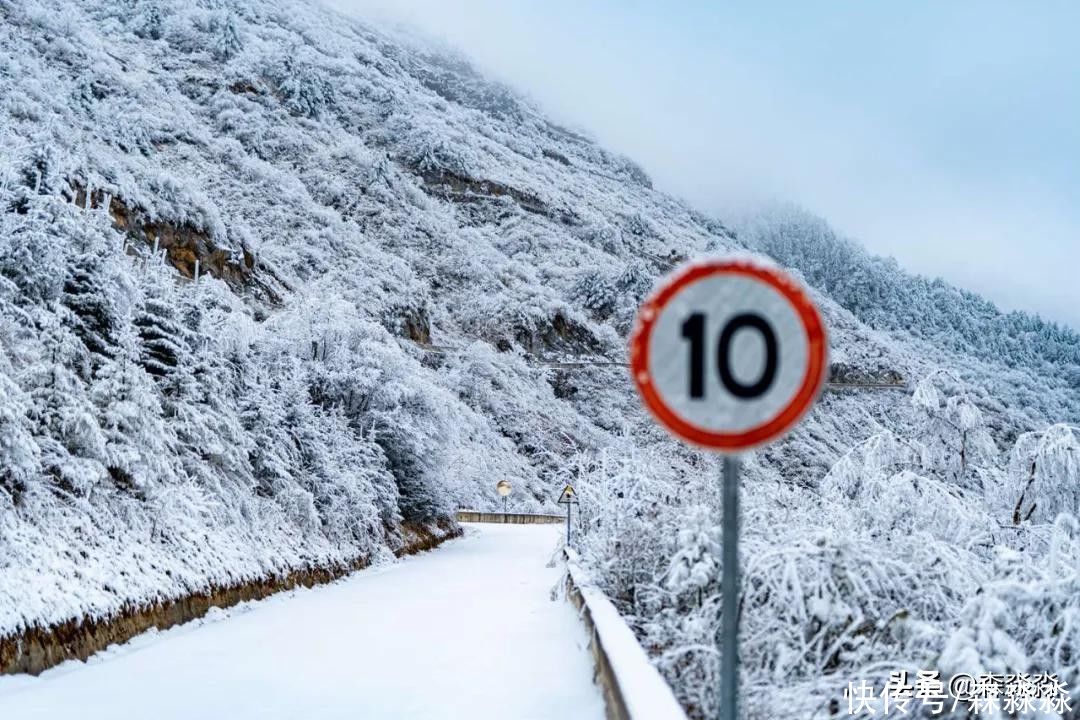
[273, 283]
[376, 646]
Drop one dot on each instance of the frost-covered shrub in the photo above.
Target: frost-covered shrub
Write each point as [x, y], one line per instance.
[304, 87]
[436, 152]
[882, 484]
[695, 566]
[613, 293]
[1027, 617]
[626, 168]
[214, 31]
[605, 236]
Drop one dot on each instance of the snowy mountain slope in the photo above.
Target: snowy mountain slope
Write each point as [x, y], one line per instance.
[284, 416]
[390, 251]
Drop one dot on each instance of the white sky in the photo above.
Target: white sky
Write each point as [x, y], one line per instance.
[945, 135]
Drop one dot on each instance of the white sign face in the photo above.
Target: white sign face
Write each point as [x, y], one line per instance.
[729, 354]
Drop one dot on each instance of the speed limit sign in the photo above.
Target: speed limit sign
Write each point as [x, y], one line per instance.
[729, 354]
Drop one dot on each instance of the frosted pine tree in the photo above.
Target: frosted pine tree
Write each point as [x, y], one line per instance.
[73, 447]
[695, 566]
[32, 263]
[354, 470]
[93, 313]
[597, 293]
[225, 39]
[160, 337]
[139, 445]
[148, 18]
[272, 453]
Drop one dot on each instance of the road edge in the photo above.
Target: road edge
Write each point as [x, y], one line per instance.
[632, 688]
[37, 649]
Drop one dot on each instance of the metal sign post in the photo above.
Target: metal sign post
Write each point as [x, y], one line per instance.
[503, 488]
[728, 355]
[729, 652]
[568, 498]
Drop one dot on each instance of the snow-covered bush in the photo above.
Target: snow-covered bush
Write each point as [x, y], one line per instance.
[435, 150]
[304, 87]
[1026, 618]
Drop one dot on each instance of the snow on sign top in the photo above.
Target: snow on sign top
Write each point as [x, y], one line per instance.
[568, 495]
[729, 354]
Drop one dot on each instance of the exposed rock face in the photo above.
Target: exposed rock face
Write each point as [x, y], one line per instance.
[848, 374]
[459, 188]
[417, 326]
[561, 334]
[190, 250]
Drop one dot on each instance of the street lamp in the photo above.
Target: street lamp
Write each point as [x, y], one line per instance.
[503, 488]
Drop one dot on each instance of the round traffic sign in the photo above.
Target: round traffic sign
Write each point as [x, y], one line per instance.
[729, 354]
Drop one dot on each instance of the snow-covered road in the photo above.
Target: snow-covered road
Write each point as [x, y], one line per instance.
[466, 631]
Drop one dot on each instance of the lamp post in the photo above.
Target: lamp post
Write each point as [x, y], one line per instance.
[503, 488]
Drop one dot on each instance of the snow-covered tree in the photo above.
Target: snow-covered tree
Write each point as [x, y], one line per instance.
[20, 456]
[1044, 474]
[226, 41]
[93, 313]
[73, 446]
[138, 452]
[161, 338]
[695, 567]
[597, 293]
[953, 430]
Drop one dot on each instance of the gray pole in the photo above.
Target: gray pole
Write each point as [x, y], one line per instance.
[729, 657]
[568, 525]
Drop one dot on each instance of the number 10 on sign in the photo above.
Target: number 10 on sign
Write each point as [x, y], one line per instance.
[728, 355]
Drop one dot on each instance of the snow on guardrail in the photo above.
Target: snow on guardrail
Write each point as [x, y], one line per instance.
[481, 516]
[633, 689]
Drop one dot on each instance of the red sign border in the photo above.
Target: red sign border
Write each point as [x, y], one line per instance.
[813, 382]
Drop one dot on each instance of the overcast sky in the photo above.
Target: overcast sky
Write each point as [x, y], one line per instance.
[944, 134]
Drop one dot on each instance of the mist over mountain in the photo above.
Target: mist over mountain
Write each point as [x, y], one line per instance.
[278, 289]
